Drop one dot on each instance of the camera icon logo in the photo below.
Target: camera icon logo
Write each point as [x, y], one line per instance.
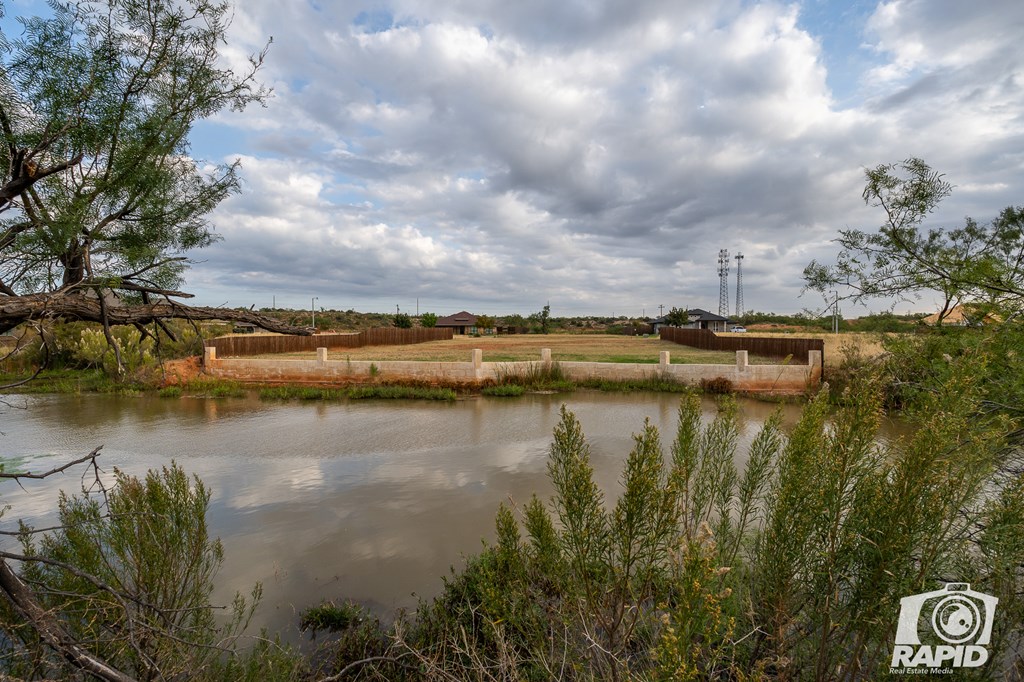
[955, 623]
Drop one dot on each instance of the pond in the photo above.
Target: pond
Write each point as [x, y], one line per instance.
[371, 500]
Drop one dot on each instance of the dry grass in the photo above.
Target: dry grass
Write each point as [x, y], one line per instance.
[868, 344]
[565, 347]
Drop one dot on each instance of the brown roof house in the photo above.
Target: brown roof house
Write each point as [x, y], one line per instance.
[461, 322]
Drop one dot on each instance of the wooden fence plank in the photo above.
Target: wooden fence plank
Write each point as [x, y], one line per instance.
[758, 345]
[228, 346]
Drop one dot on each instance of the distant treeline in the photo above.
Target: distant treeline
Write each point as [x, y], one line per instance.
[351, 320]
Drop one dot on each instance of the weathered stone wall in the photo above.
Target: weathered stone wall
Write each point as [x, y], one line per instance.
[744, 376]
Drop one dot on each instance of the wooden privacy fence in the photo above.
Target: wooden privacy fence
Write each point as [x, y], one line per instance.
[758, 345]
[385, 336]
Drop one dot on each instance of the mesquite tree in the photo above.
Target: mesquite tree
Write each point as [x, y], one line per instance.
[100, 199]
[979, 263]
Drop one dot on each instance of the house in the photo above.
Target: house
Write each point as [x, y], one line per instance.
[963, 316]
[698, 319]
[461, 322]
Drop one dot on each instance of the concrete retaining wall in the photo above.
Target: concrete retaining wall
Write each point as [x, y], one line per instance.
[779, 379]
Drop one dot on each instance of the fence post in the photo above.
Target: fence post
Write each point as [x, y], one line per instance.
[321, 356]
[741, 361]
[209, 355]
[664, 358]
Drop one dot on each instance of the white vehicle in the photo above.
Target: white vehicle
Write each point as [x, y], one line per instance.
[737, 329]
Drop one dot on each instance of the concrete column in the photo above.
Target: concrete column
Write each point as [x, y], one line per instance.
[815, 371]
[321, 356]
[545, 355]
[741, 361]
[209, 355]
[665, 358]
[478, 358]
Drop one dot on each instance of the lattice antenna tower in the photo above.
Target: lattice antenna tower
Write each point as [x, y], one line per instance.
[723, 283]
[739, 285]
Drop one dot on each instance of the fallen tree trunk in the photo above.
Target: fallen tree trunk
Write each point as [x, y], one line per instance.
[15, 310]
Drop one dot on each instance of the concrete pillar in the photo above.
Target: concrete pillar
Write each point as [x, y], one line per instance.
[665, 358]
[209, 355]
[741, 361]
[545, 355]
[478, 358]
[814, 358]
[321, 356]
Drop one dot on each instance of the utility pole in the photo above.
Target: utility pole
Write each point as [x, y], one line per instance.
[661, 310]
[739, 284]
[835, 314]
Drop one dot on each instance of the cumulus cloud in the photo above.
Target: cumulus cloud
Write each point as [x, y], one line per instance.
[495, 156]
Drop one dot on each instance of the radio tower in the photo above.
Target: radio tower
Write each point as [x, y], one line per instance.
[723, 283]
[739, 285]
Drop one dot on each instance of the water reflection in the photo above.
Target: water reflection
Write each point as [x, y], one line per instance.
[374, 500]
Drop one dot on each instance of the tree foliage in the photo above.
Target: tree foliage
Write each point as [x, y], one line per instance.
[485, 323]
[100, 199]
[978, 262]
[677, 317]
[402, 321]
[428, 320]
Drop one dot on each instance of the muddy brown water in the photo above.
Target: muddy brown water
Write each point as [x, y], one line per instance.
[371, 500]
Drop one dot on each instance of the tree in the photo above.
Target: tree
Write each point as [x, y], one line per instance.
[428, 320]
[542, 318]
[403, 321]
[677, 317]
[981, 263]
[484, 323]
[99, 198]
[515, 321]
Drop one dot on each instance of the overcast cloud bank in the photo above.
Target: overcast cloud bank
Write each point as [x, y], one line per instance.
[495, 156]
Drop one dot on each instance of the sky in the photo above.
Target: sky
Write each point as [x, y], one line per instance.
[497, 156]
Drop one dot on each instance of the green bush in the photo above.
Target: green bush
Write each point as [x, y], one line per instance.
[790, 568]
[535, 376]
[132, 579]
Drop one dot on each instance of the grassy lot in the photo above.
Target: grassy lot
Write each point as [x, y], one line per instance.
[592, 348]
[567, 347]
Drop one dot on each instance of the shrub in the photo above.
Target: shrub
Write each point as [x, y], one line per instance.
[132, 579]
[792, 567]
[717, 386]
[535, 375]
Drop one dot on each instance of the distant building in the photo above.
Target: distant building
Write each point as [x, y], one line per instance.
[698, 319]
[461, 322]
